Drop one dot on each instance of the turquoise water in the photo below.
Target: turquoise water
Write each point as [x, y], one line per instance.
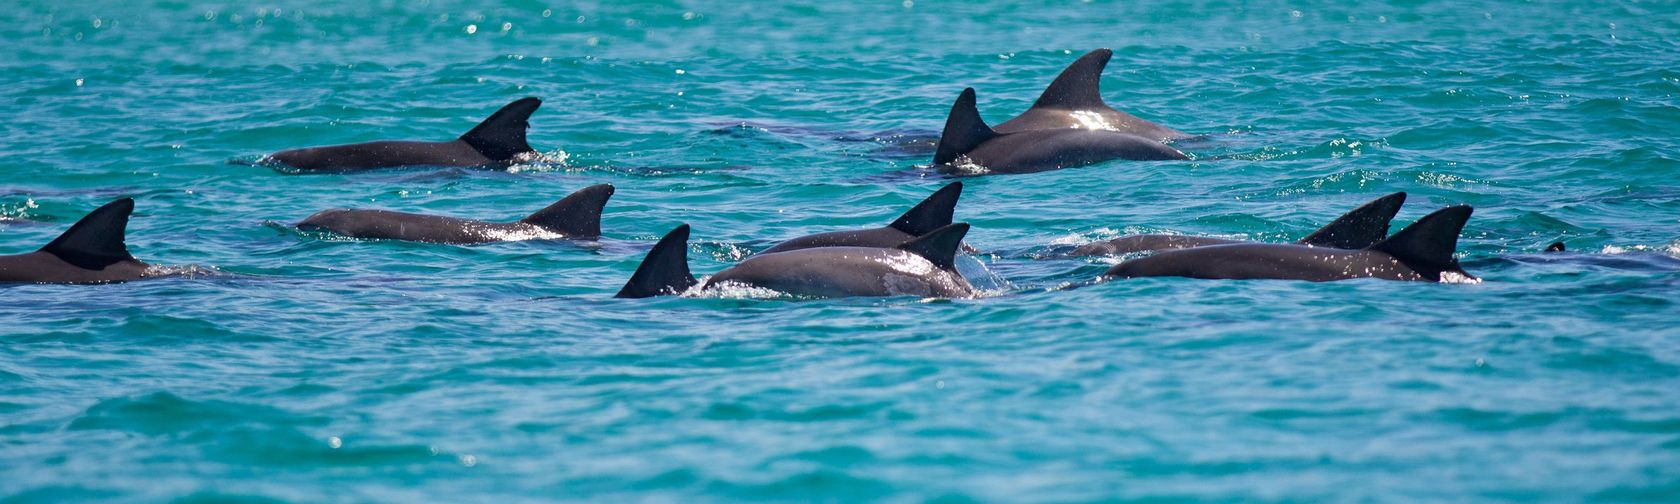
[296, 367]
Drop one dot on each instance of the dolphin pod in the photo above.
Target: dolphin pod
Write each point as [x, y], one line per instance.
[1422, 251]
[914, 255]
[500, 139]
[1357, 229]
[925, 266]
[969, 147]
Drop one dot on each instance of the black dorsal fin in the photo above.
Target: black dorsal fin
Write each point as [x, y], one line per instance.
[664, 271]
[939, 246]
[1078, 87]
[1556, 247]
[576, 215]
[98, 240]
[964, 130]
[1427, 245]
[502, 136]
[932, 213]
[1360, 228]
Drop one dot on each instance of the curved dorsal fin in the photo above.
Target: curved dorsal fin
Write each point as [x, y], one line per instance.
[1360, 228]
[964, 130]
[502, 136]
[98, 240]
[1078, 86]
[939, 246]
[1427, 246]
[932, 213]
[664, 271]
[576, 215]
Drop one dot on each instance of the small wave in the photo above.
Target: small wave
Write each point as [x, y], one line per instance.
[725, 252]
[1671, 249]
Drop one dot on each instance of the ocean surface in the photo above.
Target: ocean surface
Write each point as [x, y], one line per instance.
[281, 366]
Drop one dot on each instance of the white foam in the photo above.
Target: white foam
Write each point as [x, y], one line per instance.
[965, 166]
[521, 234]
[155, 270]
[540, 161]
[1454, 277]
[733, 290]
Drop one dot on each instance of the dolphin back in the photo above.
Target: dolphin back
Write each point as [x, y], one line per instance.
[98, 240]
[932, 213]
[940, 246]
[578, 215]
[502, 136]
[964, 130]
[664, 271]
[1079, 85]
[1360, 228]
[1427, 246]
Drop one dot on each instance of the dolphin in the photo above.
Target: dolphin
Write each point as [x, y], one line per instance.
[922, 267]
[969, 147]
[932, 213]
[1422, 251]
[92, 251]
[577, 216]
[1074, 100]
[1357, 229]
[500, 139]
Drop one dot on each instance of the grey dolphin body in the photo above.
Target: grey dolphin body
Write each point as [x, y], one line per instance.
[577, 216]
[921, 267]
[92, 251]
[1420, 252]
[932, 213]
[499, 139]
[1074, 101]
[969, 147]
[1357, 229]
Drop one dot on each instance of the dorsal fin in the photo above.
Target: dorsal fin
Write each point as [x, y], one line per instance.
[964, 130]
[664, 271]
[98, 240]
[1078, 86]
[1556, 247]
[502, 136]
[576, 215]
[1427, 245]
[932, 213]
[939, 246]
[1360, 228]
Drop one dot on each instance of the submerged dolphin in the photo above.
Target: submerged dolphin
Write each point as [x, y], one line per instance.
[1074, 100]
[577, 216]
[1360, 228]
[923, 267]
[92, 251]
[1423, 251]
[498, 140]
[932, 213]
[968, 143]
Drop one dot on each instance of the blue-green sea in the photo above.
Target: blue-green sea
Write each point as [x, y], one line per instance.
[282, 366]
